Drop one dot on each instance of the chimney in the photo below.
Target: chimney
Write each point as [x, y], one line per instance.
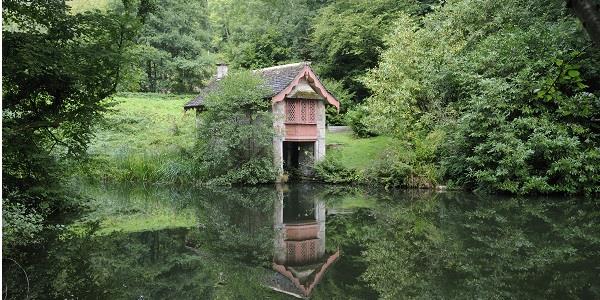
[221, 70]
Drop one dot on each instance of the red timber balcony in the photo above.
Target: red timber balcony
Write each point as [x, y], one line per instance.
[301, 241]
[300, 119]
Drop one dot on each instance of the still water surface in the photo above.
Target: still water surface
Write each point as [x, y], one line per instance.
[325, 242]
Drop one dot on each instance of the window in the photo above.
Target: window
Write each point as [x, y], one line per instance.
[300, 111]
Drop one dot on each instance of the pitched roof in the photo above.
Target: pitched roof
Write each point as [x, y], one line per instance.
[276, 78]
[293, 285]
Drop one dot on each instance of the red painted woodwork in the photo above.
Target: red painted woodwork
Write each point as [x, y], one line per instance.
[300, 132]
[300, 232]
[300, 119]
[302, 252]
[300, 111]
[315, 83]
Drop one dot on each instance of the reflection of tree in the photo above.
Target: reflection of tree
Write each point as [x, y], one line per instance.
[237, 223]
[236, 234]
[120, 266]
[486, 248]
[347, 232]
[155, 265]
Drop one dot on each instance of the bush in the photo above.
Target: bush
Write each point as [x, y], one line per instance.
[390, 173]
[332, 171]
[20, 226]
[235, 142]
[255, 171]
[355, 118]
[336, 88]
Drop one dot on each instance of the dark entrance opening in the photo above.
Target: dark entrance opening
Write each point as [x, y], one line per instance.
[290, 156]
[298, 158]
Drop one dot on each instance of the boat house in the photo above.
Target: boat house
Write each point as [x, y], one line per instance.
[298, 101]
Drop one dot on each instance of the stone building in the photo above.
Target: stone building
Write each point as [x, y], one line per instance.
[298, 101]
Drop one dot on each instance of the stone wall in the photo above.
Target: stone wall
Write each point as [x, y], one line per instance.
[279, 136]
[320, 145]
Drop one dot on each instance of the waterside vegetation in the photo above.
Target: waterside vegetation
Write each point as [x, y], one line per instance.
[477, 95]
[148, 138]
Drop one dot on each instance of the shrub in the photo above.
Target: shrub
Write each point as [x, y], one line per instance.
[336, 88]
[20, 226]
[355, 118]
[332, 171]
[236, 138]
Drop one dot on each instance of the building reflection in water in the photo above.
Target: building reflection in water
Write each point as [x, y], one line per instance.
[300, 257]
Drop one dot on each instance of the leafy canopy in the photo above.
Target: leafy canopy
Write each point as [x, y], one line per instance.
[173, 48]
[514, 90]
[58, 70]
[236, 131]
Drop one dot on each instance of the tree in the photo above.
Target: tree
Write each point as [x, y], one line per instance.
[58, 70]
[173, 47]
[502, 83]
[235, 144]
[262, 33]
[348, 36]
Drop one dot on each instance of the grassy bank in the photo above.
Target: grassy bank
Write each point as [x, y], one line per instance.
[146, 138]
[149, 138]
[357, 153]
[146, 123]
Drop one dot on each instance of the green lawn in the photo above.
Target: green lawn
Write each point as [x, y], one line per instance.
[357, 153]
[80, 6]
[146, 123]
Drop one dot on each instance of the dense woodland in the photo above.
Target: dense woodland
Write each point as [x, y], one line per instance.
[495, 96]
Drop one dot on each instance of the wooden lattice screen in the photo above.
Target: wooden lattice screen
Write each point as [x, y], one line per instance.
[300, 111]
[301, 252]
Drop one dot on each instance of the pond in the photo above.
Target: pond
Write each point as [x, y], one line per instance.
[320, 241]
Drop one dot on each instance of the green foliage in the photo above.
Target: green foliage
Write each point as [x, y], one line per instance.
[172, 51]
[515, 102]
[348, 35]
[79, 6]
[456, 247]
[332, 171]
[261, 33]
[333, 116]
[58, 70]
[235, 137]
[355, 118]
[389, 172]
[20, 226]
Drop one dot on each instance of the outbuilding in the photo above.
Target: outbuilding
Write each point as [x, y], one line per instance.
[298, 101]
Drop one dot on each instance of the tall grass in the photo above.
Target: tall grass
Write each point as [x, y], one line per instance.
[164, 168]
[149, 167]
[147, 138]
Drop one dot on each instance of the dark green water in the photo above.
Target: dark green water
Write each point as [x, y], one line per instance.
[336, 242]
